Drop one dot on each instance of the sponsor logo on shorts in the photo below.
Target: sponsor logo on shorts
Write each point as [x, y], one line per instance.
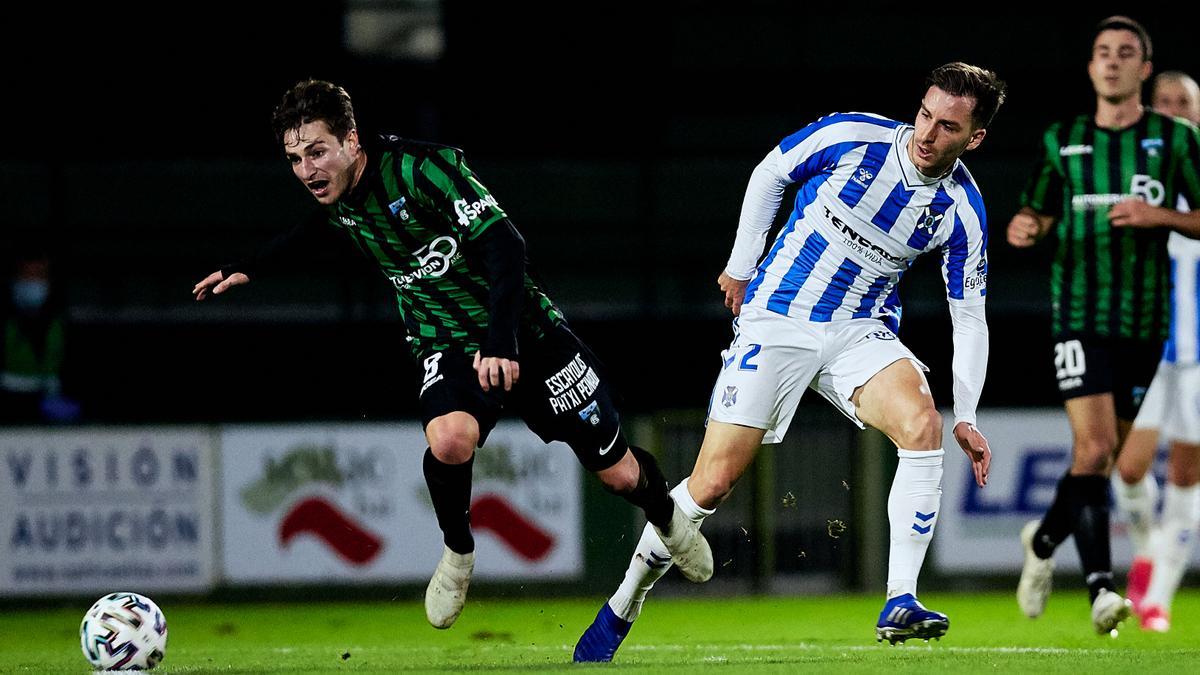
[1139, 395]
[729, 398]
[882, 335]
[1070, 383]
[571, 386]
[591, 415]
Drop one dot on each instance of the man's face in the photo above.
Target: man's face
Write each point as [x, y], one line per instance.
[944, 131]
[1177, 98]
[326, 166]
[1118, 67]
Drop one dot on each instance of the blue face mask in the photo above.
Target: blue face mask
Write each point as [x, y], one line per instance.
[30, 294]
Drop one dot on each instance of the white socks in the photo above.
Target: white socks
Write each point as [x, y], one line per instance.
[651, 560]
[1173, 543]
[1137, 503]
[913, 506]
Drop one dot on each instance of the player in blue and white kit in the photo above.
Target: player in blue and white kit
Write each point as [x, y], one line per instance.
[1171, 408]
[821, 311]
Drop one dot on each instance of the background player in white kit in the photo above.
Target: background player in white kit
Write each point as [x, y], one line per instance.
[822, 309]
[1171, 408]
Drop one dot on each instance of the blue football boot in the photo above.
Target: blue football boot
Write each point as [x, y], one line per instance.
[904, 617]
[600, 641]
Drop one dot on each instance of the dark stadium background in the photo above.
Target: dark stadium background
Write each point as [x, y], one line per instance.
[618, 137]
[136, 147]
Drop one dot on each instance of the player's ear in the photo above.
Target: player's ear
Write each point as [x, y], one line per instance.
[976, 138]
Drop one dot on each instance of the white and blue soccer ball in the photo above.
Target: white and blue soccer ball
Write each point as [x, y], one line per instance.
[124, 631]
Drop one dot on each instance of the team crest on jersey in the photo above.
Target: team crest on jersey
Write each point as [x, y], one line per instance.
[929, 220]
[397, 208]
[729, 398]
[591, 414]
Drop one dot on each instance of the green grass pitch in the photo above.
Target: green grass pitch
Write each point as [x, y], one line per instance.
[727, 635]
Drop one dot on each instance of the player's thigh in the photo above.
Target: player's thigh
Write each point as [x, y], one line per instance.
[765, 371]
[1094, 432]
[455, 410]
[1140, 445]
[875, 379]
[564, 395]
[1183, 464]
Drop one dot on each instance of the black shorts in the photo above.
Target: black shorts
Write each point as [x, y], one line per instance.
[1086, 365]
[562, 395]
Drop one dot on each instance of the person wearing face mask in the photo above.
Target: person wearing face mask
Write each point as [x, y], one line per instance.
[31, 354]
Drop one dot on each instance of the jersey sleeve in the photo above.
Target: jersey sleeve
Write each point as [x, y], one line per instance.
[813, 150]
[444, 183]
[964, 255]
[817, 147]
[1043, 191]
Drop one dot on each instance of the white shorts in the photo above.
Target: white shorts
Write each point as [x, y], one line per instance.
[773, 358]
[1172, 403]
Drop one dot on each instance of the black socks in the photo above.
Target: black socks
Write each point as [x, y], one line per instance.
[450, 489]
[651, 494]
[1081, 508]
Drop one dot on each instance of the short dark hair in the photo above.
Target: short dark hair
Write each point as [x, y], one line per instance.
[981, 84]
[1118, 22]
[310, 101]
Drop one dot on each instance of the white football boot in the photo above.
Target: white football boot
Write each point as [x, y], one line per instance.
[1037, 575]
[447, 590]
[689, 549]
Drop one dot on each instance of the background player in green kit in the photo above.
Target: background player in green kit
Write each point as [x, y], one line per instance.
[486, 335]
[1110, 181]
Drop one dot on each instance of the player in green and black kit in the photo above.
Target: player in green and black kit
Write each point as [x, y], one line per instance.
[487, 337]
[1111, 182]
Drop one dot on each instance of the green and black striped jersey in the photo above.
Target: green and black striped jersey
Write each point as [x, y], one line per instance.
[420, 214]
[1112, 281]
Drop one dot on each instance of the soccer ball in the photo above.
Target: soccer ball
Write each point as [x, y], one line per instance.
[123, 631]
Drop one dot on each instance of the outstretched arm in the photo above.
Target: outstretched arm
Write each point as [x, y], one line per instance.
[969, 366]
[310, 234]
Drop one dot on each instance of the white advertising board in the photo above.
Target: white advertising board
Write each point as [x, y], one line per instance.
[348, 502]
[95, 510]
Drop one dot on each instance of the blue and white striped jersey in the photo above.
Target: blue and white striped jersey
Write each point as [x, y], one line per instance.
[863, 213]
[1183, 342]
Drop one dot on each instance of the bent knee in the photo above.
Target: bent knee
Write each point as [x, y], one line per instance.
[621, 478]
[1094, 456]
[1130, 475]
[921, 431]
[453, 438]
[710, 489]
